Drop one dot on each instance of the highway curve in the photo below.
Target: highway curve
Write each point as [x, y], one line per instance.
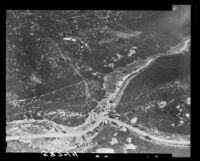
[102, 116]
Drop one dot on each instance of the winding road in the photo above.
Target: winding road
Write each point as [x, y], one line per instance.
[106, 106]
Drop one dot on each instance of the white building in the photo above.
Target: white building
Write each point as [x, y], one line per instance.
[162, 104]
[129, 140]
[188, 101]
[69, 39]
[123, 129]
[130, 147]
[134, 120]
[113, 141]
[187, 115]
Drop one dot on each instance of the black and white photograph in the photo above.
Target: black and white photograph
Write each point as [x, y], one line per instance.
[98, 81]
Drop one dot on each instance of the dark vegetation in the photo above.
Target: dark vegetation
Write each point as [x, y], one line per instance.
[34, 42]
[158, 83]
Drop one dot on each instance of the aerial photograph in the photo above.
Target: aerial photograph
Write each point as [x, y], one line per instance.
[98, 81]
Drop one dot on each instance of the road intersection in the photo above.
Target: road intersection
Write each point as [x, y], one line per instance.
[105, 106]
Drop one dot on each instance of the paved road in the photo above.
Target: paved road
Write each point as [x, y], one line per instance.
[74, 133]
[105, 103]
[154, 138]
